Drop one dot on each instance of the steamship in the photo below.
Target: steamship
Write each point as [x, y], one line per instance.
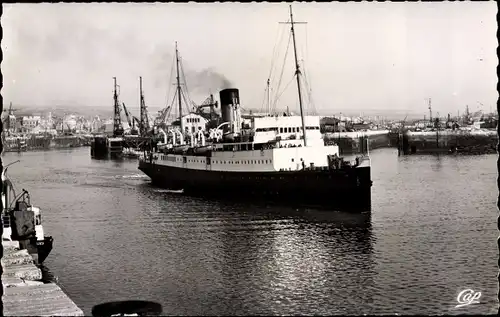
[280, 159]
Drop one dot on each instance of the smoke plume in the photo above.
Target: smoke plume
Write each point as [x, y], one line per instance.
[206, 80]
[199, 82]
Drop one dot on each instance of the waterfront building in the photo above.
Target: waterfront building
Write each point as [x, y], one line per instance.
[30, 122]
[192, 122]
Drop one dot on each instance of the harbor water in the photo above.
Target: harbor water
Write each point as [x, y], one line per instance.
[431, 234]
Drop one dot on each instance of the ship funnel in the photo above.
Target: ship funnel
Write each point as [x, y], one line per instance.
[230, 109]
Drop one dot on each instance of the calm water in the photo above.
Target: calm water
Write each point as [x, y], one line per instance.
[431, 234]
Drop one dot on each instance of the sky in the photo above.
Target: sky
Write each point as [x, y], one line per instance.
[355, 56]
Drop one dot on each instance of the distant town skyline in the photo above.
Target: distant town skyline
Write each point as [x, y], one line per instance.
[358, 57]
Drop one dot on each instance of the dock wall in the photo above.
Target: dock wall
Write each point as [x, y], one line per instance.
[24, 292]
[350, 142]
[458, 141]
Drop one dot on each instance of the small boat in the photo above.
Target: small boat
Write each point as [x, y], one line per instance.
[180, 148]
[201, 150]
[23, 222]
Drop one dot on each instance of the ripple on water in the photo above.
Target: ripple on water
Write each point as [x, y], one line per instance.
[429, 236]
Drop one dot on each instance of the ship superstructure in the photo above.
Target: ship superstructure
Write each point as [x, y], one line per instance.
[274, 157]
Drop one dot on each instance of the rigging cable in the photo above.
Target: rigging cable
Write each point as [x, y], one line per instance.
[167, 96]
[284, 89]
[264, 98]
[185, 85]
[307, 83]
[274, 70]
[309, 90]
[185, 100]
[311, 100]
[169, 111]
[282, 69]
[274, 56]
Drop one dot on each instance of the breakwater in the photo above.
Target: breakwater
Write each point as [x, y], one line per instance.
[350, 142]
[448, 141]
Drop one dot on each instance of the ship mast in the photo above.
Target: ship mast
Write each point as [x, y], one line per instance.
[268, 97]
[297, 73]
[179, 88]
[144, 124]
[430, 111]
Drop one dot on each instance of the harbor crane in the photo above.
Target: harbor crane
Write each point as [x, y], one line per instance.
[130, 120]
[144, 123]
[117, 121]
[136, 122]
[208, 103]
[162, 117]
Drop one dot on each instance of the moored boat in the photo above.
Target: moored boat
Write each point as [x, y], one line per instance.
[23, 222]
[102, 146]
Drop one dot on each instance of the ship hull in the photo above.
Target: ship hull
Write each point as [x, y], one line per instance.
[44, 248]
[38, 249]
[344, 189]
[97, 153]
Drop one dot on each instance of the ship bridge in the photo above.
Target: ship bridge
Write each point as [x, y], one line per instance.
[286, 128]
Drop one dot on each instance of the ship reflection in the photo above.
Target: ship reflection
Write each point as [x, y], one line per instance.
[238, 259]
[302, 263]
[437, 165]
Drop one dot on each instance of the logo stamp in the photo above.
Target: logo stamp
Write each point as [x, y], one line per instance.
[467, 297]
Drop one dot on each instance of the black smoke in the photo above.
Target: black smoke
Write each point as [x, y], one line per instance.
[206, 80]
[199, 82]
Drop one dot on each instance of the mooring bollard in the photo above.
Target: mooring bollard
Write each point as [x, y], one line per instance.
[127, 308]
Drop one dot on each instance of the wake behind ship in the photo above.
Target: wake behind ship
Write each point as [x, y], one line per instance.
[278, 158]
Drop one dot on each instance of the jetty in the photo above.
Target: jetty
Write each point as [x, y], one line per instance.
[24, 293]
[354, 142]
[456, 141]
